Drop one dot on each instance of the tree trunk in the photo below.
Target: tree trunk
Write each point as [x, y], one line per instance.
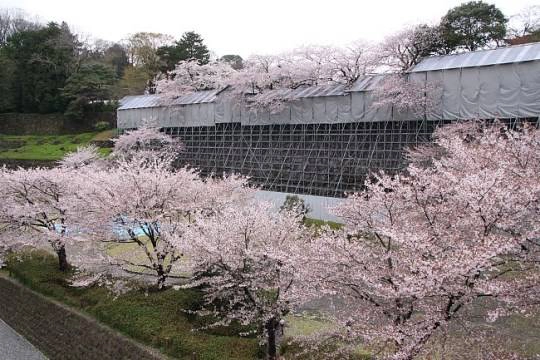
[62, 259]
[271, 349]
[162, 277]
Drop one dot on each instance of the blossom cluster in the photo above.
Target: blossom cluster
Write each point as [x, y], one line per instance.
[267, 82]
[417, 249]
[264, 82]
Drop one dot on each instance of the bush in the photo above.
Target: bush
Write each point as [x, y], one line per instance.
[102, 126]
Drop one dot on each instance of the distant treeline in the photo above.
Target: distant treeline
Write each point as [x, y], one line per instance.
[46, 68]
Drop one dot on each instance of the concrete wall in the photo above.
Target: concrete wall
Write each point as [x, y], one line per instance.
[320, 205]
[59, 332]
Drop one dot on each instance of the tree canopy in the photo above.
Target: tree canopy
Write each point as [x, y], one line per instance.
[36, 60]
[90, 86]
[190, 47]
[43, 59]
[473, 25]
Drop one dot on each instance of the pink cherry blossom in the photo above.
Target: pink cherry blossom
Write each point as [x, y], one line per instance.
[420, 247]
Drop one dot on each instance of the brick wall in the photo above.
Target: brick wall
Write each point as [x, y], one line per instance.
[61, 333]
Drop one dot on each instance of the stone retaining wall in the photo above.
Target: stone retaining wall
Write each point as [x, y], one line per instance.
[61, 333]
[52, 124]
[15, 163]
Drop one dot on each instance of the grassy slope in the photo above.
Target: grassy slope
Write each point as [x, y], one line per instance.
[45, 147]
[155, 318]
[320, 223]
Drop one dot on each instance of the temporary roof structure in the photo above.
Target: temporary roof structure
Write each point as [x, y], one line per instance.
[328, 138]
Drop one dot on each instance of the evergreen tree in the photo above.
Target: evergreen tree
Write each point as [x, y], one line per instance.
[193, 46]
[7, 83]
[190, 46]
[88, 88]
[43, 60]
[472, 26]
[116, 56]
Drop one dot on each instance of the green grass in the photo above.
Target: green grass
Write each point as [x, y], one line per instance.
[303, 326]
[320, 223]
[105, 135]
[105, 151]
[35, 147]
[47, 147]
[156, 319]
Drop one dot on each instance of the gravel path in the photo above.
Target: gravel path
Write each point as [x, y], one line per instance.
[14, 347]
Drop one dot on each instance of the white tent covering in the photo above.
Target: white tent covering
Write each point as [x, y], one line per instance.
[328, 138]
[500, 83]
[487, 92]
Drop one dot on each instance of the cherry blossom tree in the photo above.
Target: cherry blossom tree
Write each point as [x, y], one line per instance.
[310, 66]
[147, 140]
[190, 76]
[421, 247]
[406, 96]
[526, 22]
[264, 82]
[241, 260]
[141, 194]
[267, 80]
[34, 208]
[407, 47]
[84, 156]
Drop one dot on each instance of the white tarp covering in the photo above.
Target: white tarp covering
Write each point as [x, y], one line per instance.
[503, 55]
[451, 94]
[496, 91]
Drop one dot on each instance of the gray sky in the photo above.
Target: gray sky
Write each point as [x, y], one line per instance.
[246, 27]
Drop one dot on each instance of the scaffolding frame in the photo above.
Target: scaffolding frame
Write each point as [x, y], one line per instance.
[312, 159]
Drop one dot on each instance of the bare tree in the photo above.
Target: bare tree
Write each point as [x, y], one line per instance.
[13, 21]
[526, 22]
[409, 46]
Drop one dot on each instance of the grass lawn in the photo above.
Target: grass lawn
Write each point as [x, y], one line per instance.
[320, 223]
[46, 147]
[105, 135]
[155, 319]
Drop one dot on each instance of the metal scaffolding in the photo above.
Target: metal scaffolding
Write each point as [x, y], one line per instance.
[313, 159]
[327, 139]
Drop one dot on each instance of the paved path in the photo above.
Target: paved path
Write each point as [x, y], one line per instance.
[14, 347]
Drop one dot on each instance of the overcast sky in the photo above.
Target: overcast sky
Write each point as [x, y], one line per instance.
[246, 27]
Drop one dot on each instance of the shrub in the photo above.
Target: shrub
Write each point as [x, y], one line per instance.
[102, 126]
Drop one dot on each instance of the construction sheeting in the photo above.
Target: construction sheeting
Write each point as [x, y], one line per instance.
[497, 91]
[504, 55]
[147, 101]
